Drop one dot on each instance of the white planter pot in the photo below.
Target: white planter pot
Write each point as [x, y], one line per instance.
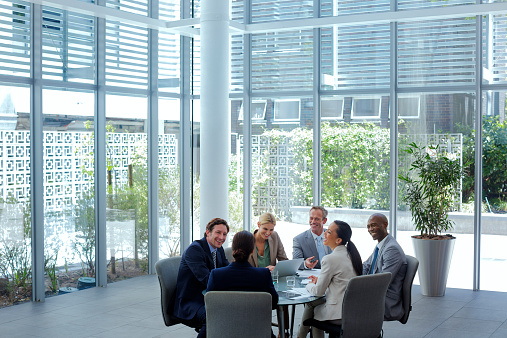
[434, 262]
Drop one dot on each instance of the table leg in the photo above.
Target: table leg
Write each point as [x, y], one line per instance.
[292, 320]
[281, 322]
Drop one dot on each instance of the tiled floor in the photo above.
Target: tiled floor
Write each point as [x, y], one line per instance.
[132, 309]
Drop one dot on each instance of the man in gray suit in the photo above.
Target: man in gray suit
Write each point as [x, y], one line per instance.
[309, 244]
[388, 256]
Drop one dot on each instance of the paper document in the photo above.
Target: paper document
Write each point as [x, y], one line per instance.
[303, 293]
[308, 273]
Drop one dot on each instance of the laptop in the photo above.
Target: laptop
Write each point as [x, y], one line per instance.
[288, 267]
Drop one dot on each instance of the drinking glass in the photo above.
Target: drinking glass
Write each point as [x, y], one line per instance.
[274, 276]
[291, 282]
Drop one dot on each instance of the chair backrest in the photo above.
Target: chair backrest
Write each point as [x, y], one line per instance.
[232, 314]
[363, 305]
[412, 265]
[167, 271]
[228, 254]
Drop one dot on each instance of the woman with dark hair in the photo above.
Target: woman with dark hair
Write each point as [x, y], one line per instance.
[240, 275]
[343, 263]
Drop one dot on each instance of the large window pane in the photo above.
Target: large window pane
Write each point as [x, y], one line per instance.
[282, 157]
[446, 120]
[236, 170]
[438, 52]
[196, 167]
[268, 10]
[355, 161]
[169, 137]
[127, 185]
[15, 206]
[68, 46]
[15, 38]
[494, 183]
[126, 55]
[169, 50]
[355, 57]
[69, 197]
[282, 61]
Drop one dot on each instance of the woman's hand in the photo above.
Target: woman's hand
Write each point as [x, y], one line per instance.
[313, 279]
[270, 267]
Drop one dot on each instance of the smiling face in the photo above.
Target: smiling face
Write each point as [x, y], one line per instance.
[265, 230]
[331, 238]
[317, 221]
[377, 227]
[216, 237]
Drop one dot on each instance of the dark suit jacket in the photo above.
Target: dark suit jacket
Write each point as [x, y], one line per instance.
[241, 276]
[303, 246]
[390, 259]
[196, 264]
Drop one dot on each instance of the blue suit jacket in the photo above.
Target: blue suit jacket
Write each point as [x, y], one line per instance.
[303, 246]
[390, 259]
[196, 264]
[241, 276]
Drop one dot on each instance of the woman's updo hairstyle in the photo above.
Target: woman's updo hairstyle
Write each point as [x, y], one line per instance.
[243, 245]
[267, 218]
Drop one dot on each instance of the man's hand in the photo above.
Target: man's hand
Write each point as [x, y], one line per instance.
[313, 279]
[310, 262]
[270, 267]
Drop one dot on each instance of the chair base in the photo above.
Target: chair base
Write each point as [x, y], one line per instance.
[334, 330]
[190, 323]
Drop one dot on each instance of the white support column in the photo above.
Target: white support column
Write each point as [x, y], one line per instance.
[215, 117]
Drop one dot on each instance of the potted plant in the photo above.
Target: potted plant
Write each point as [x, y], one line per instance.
[432, 185]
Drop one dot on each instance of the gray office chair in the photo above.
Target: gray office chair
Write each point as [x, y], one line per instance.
[228, 254]
[232, 314]
[412, 265]
[362, 309]
[167, 271]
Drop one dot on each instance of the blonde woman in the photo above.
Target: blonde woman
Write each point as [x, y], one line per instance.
[268, 249]
[268, 246]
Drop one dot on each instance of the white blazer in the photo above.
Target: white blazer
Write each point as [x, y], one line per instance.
[336, 272]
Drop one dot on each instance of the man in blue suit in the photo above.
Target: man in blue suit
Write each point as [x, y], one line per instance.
[309, 244]
[196, 263]
[388, 258]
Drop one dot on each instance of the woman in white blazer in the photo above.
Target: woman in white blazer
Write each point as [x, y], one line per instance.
[338, 268]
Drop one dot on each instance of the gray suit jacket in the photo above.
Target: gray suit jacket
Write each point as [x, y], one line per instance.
[390, 259]
[303, 246]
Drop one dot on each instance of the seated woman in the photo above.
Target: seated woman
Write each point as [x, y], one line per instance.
[240, 275]
[268, 246]
[343, 263]
[268, 249]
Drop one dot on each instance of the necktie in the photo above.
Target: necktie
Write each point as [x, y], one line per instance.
[214, 254]
[374, 260]
[320, 249]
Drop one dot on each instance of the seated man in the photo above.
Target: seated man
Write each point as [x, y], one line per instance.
[309, 245]
[388, 256]
[196, 263]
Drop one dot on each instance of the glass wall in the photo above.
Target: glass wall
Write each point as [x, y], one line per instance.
[86, 68]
